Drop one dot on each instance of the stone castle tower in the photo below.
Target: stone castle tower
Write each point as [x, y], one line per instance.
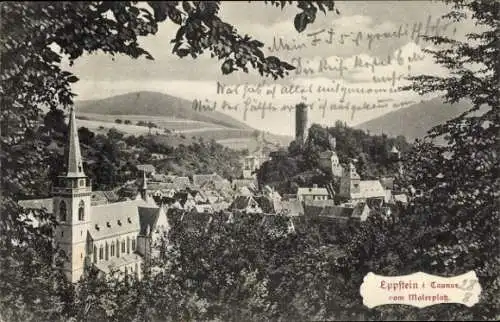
[349, 183]
[71, 203]
[301, 123]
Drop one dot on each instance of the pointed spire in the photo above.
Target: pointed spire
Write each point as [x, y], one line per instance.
[144, 187]
[144, 181]
[74, 156]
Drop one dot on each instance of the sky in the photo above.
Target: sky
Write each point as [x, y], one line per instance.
[364, 65]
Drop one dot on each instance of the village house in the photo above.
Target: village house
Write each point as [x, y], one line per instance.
[314, 193]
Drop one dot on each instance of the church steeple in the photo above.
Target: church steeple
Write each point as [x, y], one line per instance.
[74, 156]
[144, 181]
[144, 187]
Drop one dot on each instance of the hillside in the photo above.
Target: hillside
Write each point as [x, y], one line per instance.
[155, 104]
[414, 121]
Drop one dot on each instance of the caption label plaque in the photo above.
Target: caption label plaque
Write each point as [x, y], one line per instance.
[420, 289]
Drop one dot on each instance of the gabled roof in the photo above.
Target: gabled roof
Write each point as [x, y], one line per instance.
[38, 204]
[148, 218]
[238, 183]
[114, 219]
[371, 189]
[360, 210]
[109, 195]
[201, 179]
[292, 208]
[181, 182]
[266, 204]
[394, 149]
[243, 202]
[387, 183]
[312, 191]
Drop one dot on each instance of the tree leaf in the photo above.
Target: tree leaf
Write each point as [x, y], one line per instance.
[228, 66]
[72, 79]
[300, 22]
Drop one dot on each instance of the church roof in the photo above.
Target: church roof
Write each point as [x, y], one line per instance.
[148, 217]
[114, 219]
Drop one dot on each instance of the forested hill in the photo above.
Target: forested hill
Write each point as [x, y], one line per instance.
[299, 166]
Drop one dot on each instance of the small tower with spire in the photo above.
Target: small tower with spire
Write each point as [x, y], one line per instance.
[71, 203]
[144, 187]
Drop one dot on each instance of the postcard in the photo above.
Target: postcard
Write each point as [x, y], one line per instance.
[249, 161]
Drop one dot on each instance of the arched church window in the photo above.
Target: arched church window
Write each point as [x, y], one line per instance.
[81, 211]
[101, 252]
[62, 211]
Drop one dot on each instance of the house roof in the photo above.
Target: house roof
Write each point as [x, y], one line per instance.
[238, 183]
[114, 219]
[387, 183]
[109, 195]
[401, 197]
[242, 202]
[146, 167]
[292, 207]
[319, 203]
[181, 182]
[370, 189]
[312, 191]
[359, 209]
[38, 204]
[266, 204]
[201, 179]
[245, 191]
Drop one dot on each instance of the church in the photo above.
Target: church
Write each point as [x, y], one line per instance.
[114, 236]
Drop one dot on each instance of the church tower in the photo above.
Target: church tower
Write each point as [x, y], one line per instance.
[71, 203]
[349, 183]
